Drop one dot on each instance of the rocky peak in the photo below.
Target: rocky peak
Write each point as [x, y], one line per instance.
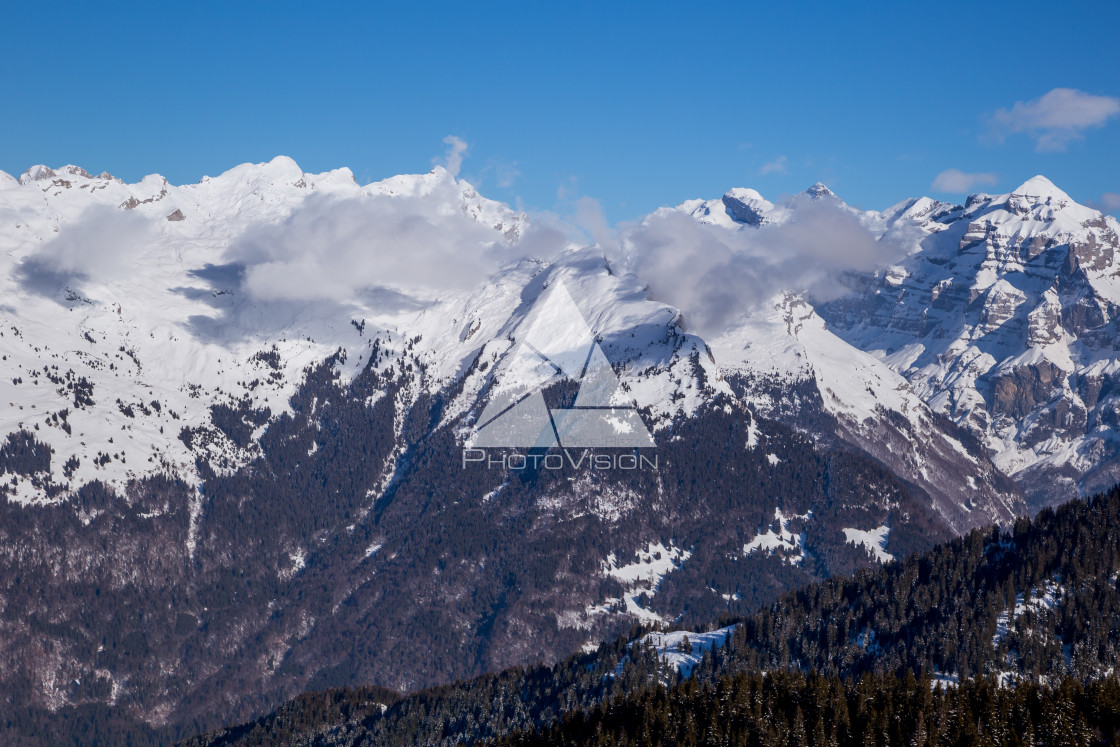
[36, 173]
[1008, 301]
[819, 191]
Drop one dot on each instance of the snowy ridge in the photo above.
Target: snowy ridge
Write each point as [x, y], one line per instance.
[155, 343]
[786, 341]
[149, 293]
[136, 354]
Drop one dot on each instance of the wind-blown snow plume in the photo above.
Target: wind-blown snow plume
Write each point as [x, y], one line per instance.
[713, 274]
[456, 148]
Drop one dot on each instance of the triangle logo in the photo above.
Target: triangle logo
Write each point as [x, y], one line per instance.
[558, 345]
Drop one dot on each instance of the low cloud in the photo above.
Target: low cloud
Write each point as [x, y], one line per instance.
[714, 275]
[406, 251]
[100, 245]
[453, 158]
[337, 248]
[1056, 118]
[779, 165]
[956, 181]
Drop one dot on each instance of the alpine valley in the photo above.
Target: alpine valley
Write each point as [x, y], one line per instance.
[234, 415]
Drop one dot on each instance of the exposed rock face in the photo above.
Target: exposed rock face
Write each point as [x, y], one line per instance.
[1019, 391]
[745, 206]
[737, 208]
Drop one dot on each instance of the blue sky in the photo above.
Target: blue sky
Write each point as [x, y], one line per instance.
[634, 104]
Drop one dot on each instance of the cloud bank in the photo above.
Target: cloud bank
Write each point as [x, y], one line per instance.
[1108, 203]
[336, 248]
[1056, 118]
[779, 165]
[372, 248]
[714, 275]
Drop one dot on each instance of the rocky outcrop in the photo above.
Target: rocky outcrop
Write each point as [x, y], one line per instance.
[1019, 391]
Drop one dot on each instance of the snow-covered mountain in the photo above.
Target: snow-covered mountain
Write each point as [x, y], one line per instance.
[794, 369]
[999, 313]
[125, 318]
[129, 324]
[236, 409]
[1004, 319]
[792, 366]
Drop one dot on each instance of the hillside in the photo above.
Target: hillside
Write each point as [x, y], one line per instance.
[1018, 615]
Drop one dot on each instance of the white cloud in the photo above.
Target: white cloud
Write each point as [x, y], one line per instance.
[1056, 118]
[960, 182]
[778, 166]
[453, 158]
[100, 245]
[350, 249]
[332, 248]
[714, 275]
[1108, 203]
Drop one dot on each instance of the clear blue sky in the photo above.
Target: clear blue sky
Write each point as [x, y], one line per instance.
[635, 104]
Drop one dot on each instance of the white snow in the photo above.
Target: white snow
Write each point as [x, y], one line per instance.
[650, 567]
[944, 679]
[298, 560]
[642, 576]
[788, 545]
[672, 651]
[875, 540]
[752, 433]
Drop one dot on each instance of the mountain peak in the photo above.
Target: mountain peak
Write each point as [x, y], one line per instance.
[1041, 187]
[744, 194]
[280, 169]
[746, 206]
[819, 191]
[36, 173]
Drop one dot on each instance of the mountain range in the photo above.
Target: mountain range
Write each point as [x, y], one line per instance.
[234, 417]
